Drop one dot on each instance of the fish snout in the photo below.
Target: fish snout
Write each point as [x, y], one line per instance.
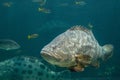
[49, 57]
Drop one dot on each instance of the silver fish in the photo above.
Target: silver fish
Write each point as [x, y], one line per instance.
[7, 44]
[76, 49]
[27, 68]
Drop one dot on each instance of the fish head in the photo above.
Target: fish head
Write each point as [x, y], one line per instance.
[55, 55]
[108, 51]
[50, 55]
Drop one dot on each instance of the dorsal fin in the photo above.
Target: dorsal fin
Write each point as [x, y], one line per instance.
[79, 27]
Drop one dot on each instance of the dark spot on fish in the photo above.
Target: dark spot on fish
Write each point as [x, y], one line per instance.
[18, 63]
[30, 66]
[40, 79]
[14, 76]
[58, 77]
[24, 65]
[47, 75]
[20, 58]
[54, 47]
[42, 66]
[27, 77]
[9, 69]
[35, 69]
[53, 76]
[30, 72]
[36, 78]
[32, 60]
[40, 73]
[33, 77]
[16, 70]
[47, 70]
[24, 71]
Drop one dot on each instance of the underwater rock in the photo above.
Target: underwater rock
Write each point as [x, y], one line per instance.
[76, 49]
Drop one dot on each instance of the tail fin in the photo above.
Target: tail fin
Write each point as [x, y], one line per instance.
[108, 51]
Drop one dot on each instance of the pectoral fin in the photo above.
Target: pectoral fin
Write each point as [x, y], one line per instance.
[96, 64]
[77, 68]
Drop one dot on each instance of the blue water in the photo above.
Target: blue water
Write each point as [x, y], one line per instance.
[23, 18]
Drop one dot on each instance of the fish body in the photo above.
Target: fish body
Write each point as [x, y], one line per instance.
[8, 4]
[82, 3]
[26, 68]
[44, 10]
[76, 49]
[32, 36]
[7, 44]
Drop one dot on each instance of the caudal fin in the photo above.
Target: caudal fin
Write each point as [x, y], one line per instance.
[108, 51]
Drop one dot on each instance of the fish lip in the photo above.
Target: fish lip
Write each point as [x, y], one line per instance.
[48, 57]
[46, 54]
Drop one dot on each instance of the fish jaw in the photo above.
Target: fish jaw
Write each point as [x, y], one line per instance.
[61, 60]
[49, 57]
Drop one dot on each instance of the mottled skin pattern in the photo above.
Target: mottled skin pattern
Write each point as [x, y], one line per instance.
[76, 48]
[26, 68]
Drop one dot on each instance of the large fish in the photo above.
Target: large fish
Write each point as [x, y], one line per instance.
[76, 49]
[7, 44]
[27, 68]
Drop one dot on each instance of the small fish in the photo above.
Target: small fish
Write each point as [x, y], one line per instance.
[7, 4]
[90, 25]
[42, 2]
[44, 10]
[7, 44]
[82, 3]
[33, 36]
[27, 68]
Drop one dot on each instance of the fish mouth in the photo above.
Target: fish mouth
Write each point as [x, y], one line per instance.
[61, 60]
[49, 57]
[46, 54]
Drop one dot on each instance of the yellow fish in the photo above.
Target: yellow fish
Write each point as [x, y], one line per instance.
[33, 36]
[82, 3]
[44, 10]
